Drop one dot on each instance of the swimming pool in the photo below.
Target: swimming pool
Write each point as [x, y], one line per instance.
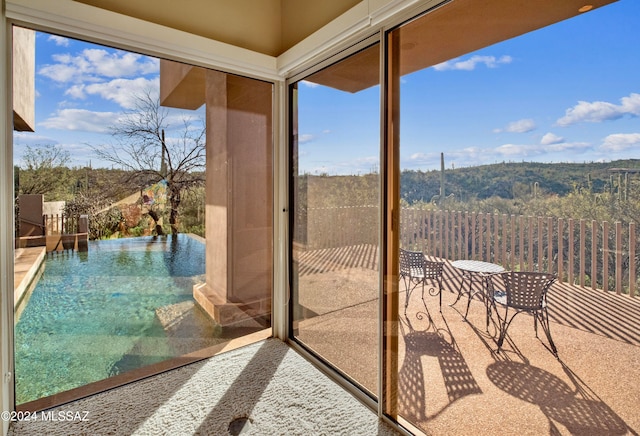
[121, 305]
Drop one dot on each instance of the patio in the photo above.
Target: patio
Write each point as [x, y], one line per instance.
[452, 381]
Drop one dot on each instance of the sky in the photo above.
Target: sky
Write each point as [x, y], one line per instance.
[567, 93]
[82, 90]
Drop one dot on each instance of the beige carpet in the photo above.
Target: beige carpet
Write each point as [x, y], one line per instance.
[267, 388]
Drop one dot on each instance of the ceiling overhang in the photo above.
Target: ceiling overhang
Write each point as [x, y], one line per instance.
[265, 26]
[457, 28]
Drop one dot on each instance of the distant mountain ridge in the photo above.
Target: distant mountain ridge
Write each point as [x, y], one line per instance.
[516, 179]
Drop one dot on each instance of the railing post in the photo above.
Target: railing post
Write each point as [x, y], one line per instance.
[460, 255]
[446, 235]
[429, 219]
[440, 236]
[605, 256]
[521, 241]
[618, 257]
[490, 238]
[505, 233]
[560, 249]
[480, 236]
[550, 245]
[571, 256]
[512, 263]
[594, 254]
[467, 235]
[496, 239]
[632, 259]
[530, 248]
[582, 251]
[473, 235]
[540, 245]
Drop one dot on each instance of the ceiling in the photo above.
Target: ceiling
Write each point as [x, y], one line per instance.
[266, 26]
[272, 27]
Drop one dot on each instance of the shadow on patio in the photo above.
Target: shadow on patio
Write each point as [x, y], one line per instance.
[452, 381]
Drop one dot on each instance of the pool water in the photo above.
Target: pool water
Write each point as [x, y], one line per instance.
[97, 314]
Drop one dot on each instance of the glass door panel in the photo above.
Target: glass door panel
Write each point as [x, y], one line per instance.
[130, 257]
[335, 242]
[500, 154]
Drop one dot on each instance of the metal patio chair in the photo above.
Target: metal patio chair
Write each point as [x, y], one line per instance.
[415, 270]
[524, 292]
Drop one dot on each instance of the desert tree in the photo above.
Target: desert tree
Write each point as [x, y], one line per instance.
[44, 171]
[142, 150]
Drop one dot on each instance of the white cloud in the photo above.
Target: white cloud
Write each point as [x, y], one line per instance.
[93, 64]
[59, 40]
[125, 92]
[31, 138]
[81, 119]
[473, 156]
[520, 126]
[574, 147]
[309, 84]
[620, 142]
[523, 151]
[468, 156]
[424, 158]
[471, 63]
[305, 138]
[76, 91]
[598, 111]
[516, 150]
[551, 138]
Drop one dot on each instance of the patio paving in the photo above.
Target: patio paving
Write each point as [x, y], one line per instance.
[452, 381]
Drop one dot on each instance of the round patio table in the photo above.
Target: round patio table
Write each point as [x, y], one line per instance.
[476, 271]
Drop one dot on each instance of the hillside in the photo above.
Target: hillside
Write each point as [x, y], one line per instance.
[513, 179]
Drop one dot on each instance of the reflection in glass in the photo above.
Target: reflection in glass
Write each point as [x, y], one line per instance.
[336, 214]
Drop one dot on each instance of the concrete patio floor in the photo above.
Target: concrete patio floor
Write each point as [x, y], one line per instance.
[451, 380]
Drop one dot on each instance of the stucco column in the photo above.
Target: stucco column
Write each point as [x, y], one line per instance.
[239, 199]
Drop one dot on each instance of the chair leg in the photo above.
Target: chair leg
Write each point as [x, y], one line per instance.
[503, 333]
[503, 325]
[407, 287]
[544, 320]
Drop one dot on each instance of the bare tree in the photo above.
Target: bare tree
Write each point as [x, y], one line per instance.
[143, 150]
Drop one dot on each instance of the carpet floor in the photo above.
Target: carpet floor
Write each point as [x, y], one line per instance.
[261, 389]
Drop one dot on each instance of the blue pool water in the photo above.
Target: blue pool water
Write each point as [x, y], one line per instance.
[96, 314]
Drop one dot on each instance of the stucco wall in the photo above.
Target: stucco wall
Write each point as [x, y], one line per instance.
[24, 70]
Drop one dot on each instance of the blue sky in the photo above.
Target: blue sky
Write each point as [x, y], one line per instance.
[82, 90]
[566, 93]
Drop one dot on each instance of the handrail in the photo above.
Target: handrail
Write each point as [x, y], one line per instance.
[33, 223]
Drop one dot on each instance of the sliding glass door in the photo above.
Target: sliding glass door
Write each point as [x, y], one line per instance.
[462, 169]
[335, 215]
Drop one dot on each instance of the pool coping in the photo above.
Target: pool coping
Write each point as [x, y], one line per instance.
[27, 267]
